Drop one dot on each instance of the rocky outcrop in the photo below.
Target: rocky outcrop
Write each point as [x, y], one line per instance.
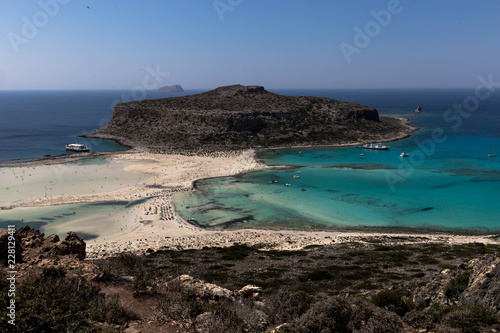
[484, 283]
[31, 238]
[238, 117]
[6, 244]
[174, 88]
[250, 291]
[33, 244]
[204, 290]
[72, 244]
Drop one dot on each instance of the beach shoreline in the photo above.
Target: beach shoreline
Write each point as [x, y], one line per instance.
[158, 226]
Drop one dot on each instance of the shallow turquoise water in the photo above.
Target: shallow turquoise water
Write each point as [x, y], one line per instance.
[448, 183]
[344, 189]
[89, 220]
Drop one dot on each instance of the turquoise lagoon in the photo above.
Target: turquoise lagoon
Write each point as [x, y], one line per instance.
[447, 184]
[454, 187]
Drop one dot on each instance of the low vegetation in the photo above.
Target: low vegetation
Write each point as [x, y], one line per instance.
[50, 301]
[354, 287]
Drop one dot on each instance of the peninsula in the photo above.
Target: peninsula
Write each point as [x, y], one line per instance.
[241, 117]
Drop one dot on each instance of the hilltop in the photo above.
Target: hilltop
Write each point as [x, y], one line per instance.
[240, 117]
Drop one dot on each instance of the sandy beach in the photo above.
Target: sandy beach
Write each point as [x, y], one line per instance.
[153, 224]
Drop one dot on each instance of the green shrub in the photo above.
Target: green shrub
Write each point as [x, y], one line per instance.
[286, 306]
[316, 275]
[215, 276]
[457, 285]
[53, 302]
[392, 300]
[470, 319]
[235, 252]
[338, 314]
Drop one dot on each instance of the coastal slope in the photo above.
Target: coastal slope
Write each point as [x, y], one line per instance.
[240, 117]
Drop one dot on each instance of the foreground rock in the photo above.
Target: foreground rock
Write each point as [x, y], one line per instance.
[239, 117]
[481, 287]
[484, 283]
[9, 242]
[32, 246]
[202, 289]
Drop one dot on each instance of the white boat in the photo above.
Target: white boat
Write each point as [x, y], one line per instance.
[403, 154]
[296, 177]
[77, 147]
[493, 154]
[376, 146]
[288, 184]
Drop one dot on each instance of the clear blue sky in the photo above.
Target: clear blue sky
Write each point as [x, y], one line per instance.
[275, 43]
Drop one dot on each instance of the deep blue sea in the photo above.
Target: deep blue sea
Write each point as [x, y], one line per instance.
[447, 183]
[38, 123]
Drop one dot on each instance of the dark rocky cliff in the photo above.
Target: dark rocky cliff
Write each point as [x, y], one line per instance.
[236, 117]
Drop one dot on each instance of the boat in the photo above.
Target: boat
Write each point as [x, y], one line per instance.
[77, 147]
[296, 177]
[403, 154]
[288, 184]
[376, 146]
[361, 154]
[273, 181]
[493, 154]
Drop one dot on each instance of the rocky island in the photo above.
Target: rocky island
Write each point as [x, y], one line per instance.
[240, 117]
[174, 88]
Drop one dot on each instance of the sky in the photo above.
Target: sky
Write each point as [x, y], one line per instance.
[203, 44]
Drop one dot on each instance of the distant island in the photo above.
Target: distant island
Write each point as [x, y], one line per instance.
[239, 117]
[174, 88]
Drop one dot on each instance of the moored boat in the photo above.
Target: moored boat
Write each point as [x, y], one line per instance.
[493, 154]
[403, 154]
[376, 146]
[77, 147]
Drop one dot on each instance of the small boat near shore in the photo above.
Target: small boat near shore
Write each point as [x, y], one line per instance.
[403, 154]
[77, 147]
[376, 146]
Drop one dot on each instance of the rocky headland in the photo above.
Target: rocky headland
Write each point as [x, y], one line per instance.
[240, 117]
